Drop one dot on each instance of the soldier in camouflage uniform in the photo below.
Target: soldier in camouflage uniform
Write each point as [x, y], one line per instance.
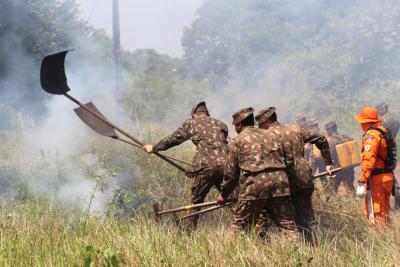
[390, 122]
[346, 175]
[316, 161]
[255, 158]
[294, 139]
[209, 135]
[301, 120]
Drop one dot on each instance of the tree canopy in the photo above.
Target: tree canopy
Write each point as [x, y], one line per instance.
[325, 58]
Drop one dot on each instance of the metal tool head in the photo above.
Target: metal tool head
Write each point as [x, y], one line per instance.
[52, 74]
[94, 123]
[156, 210]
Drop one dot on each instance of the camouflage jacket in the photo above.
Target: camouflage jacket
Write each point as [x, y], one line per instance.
[294, 138]
[209, 135]
[316, 161]
[390, 122]
[255, 159]
[335, 140]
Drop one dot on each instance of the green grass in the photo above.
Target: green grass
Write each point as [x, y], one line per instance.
[44, 234]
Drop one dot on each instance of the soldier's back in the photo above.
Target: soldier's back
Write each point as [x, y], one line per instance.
[258, 150]
[209, 135]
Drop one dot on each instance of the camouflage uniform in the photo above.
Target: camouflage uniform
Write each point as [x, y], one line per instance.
[316, 161]
[346, 175]
[294, 139]
[209, 135]
[300, 175]
[301, 120]
[389, 121]
[255, 160]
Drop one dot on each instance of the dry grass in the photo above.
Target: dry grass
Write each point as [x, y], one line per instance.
[42, 232]
[45, 235]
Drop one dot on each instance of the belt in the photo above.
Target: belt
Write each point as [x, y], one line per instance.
[381, 171]
[269, 170]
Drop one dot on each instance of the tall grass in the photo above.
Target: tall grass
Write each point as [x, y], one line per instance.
[37, 230]
[44, 234]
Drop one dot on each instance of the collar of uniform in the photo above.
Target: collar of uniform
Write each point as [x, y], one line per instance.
[247, 128]
[274, 124]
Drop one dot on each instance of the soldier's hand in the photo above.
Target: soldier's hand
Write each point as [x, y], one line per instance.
[189, 174]
[220, 199]
[329, 170]
[148, 149]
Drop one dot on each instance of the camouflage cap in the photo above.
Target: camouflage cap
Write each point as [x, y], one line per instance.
[201, 106]
[381, 106]
[264, 114]
[242, 114]
[312, 122]
[330, 125]
[300, 116]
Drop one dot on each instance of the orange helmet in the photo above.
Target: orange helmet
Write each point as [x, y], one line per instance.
[367, 114]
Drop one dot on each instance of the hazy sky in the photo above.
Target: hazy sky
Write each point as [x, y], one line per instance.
[156, 24]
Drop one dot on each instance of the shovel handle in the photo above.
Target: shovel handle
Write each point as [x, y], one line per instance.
[122, 131]
[205, 211]
[136, 145]
[193, 206]
[325, 173]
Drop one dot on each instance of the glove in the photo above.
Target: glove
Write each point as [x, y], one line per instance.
[220, 200]
[360, 189]
[329, 169]
[148, 149]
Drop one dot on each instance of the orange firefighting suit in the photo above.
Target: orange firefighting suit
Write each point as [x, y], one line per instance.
[374, 152]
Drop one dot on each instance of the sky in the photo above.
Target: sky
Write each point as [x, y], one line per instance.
[150, 24]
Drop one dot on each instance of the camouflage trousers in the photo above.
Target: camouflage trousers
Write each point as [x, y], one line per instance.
[347, 177]
[204, 180]
[257, 212]
[304, 214]
[396, 193]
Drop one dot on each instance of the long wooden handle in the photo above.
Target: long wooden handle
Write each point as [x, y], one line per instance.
[325, 173]
[194, 206]
[205, 211]
[138, 146]
[122, 131]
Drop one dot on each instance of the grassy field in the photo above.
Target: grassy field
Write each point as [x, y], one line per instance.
[36, 230]
[42, 233]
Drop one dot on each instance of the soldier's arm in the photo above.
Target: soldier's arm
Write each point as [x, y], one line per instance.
[231, 171]
[287, 152]
[369, 154]
[225, 130]
[179, 136]
[320, 141]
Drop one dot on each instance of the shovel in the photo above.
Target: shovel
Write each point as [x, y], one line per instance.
[325, 173]
[177, 221]
[158, 213]
[54, 81]
[106, 130]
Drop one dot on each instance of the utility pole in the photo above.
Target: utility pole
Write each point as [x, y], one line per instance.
[116, 45]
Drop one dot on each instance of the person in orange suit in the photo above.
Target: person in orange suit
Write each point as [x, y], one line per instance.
[374, 169]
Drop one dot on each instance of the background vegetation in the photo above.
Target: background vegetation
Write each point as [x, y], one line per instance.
[324, 58]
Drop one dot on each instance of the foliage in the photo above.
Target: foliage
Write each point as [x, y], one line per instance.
[324, 58]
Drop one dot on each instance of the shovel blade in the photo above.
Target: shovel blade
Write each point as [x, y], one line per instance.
[52, 74]
[94, 123]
